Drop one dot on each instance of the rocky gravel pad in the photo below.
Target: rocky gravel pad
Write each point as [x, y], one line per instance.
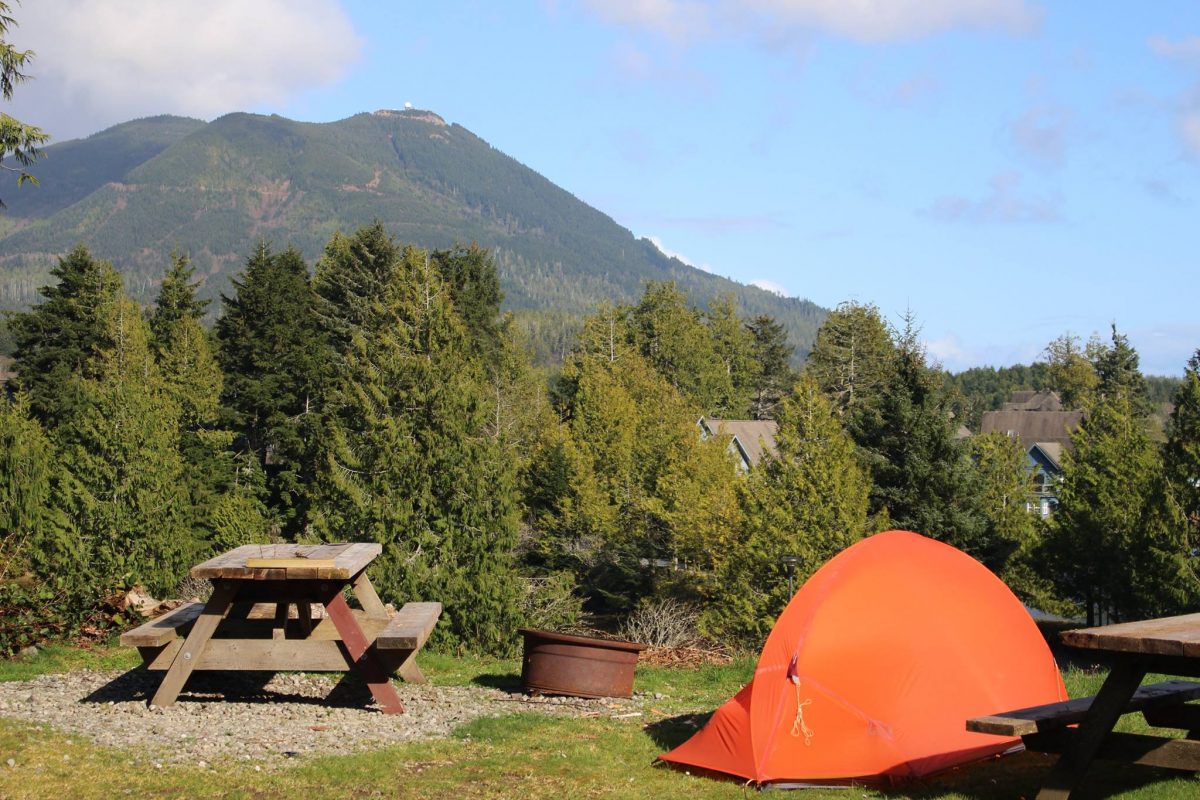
[272, 720]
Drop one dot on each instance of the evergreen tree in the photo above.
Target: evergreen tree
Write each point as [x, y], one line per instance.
[352, 275]
[1181, 453]
[1112, 547]
[276, 361]
[921, 474]
[474, 284]
[853, 361]
[673, 339]
[120, 444]
[805, 504]
[772, 354]
[1117, 372]
[23, 142]
[176, 299]
[1070, 372]
[735, 347]
[405, 460]
[63, 338]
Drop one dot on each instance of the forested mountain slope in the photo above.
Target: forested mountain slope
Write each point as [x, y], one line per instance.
[138, 191]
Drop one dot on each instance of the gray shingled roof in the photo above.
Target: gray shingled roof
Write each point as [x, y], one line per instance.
[1033, 426]
[1033, 401]
[752, 436]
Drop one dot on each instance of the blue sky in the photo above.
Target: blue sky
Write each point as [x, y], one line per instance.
[1007, 170]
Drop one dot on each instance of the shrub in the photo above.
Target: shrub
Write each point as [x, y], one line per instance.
[666, 622]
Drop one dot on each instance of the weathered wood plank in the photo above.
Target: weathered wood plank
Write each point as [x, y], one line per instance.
[368, 598]
[280, 655]
[161, 630]
[290, 561]
[1051, 716]
[1169, 636]
[1129, 748]
[362, 657]
[194, 644]
[410, 627]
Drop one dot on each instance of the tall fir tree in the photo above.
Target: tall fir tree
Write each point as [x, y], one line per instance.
[922, 478]
[853, 361]
[405, 460]
[1112, 548]
[734, 345]
[120, 444]
[353, 273]
[803, 505]
[64, 337]
[772, 354]
[470, 275]
[1181, 452]
[276, 361]
[176, 299]
[1070, 372]
[672, 337]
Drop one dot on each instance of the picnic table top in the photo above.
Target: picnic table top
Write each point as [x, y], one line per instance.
[1166, 636]
[290, 561]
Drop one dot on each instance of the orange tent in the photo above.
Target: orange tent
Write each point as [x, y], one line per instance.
[872, 670]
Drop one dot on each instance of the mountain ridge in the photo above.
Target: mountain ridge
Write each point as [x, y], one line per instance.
[142, 189]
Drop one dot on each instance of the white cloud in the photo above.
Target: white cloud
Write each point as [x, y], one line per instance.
[891, 20]
[657, 242]
[100, 62]
[781, 21]
[1189, 129]
[1040, 134]
[1003, 203]
[770, 286]
[1185, 49]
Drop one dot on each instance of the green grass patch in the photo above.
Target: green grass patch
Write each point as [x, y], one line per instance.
[525, 756]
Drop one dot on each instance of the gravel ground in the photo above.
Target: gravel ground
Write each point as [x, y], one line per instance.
[272, 720]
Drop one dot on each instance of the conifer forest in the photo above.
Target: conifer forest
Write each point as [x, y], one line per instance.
[380, 395]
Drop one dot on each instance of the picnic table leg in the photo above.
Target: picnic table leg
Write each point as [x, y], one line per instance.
[1110, 703]
[361, 657]
[193, 646]
[368, 598]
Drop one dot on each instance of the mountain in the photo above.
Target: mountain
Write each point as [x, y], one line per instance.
[138, 191]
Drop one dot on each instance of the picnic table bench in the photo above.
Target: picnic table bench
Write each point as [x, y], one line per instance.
[1081, 730]
[282, 607]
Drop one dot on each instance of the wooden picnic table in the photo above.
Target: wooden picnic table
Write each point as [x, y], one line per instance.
[231, 632]
[1171, 646]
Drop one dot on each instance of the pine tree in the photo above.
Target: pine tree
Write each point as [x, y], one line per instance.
[470, 275]
[772, 354]
[276, 361]
[1070, 372]
[1113, 548]
[853, 361]
[176, 299]
[1181, 453]
[352, 275]
[672, 337]
[406, 461]
[735, 347]
[921, 474]
[801, 506]
[1116, 366]
[63, 338]
[120, 444]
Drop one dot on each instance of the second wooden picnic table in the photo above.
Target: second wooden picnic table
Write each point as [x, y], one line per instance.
[223, 633]
[1169, 645]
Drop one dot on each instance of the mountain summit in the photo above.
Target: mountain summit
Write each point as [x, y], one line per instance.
[140, 190]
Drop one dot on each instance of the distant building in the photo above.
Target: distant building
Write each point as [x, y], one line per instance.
[1044, 429]
[750, 439]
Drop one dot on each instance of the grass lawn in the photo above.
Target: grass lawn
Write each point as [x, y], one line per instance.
[524, 757]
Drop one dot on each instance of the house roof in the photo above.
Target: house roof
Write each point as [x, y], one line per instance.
[1033, 401]
[1052, 450]
[753, 437]
[1033, 426]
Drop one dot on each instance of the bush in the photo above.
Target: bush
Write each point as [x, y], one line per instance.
[550, 603]
[663, 623]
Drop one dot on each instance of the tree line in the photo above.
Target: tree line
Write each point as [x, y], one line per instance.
[382, 396]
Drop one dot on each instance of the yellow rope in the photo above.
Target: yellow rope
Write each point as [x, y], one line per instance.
[799, 726]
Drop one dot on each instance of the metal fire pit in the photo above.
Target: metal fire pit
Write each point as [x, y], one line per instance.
[557, 663]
